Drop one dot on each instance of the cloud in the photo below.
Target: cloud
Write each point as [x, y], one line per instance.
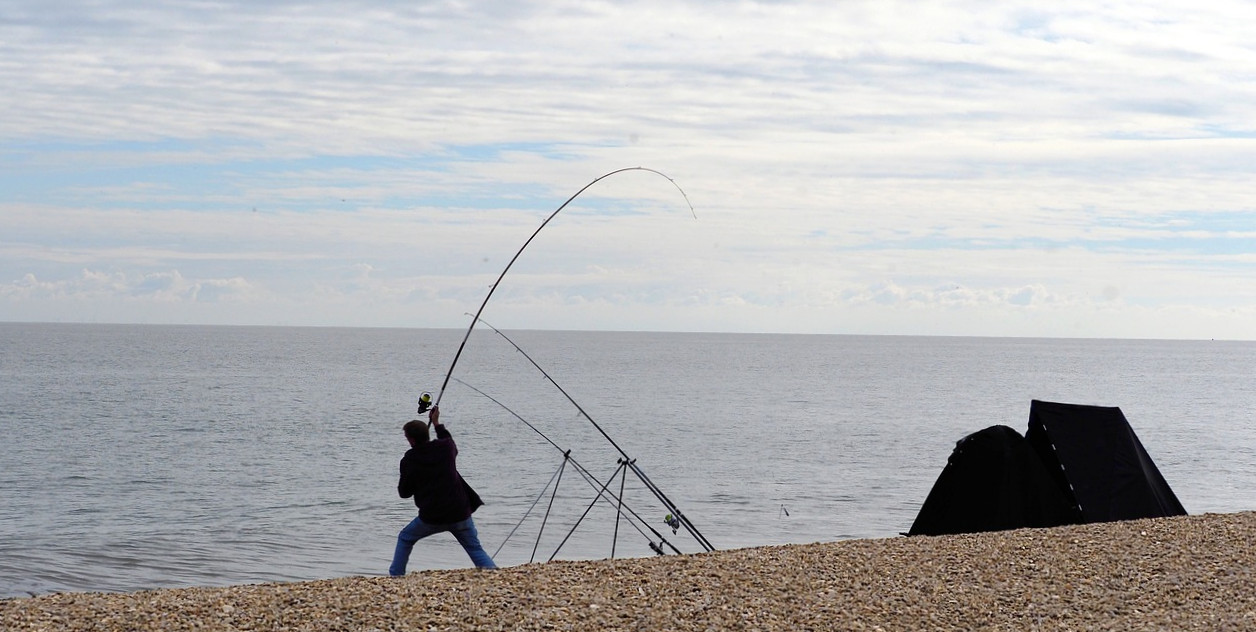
[951, 296]
[157, 287]
[950, 158]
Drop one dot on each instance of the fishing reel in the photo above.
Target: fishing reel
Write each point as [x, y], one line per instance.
[673, 522]
[425, 402]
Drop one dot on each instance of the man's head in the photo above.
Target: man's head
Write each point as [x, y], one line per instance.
[416, 432]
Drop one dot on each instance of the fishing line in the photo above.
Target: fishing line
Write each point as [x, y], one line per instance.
[516, 415]
[492, 289]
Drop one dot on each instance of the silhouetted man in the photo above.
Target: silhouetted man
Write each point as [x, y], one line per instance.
[445, 501]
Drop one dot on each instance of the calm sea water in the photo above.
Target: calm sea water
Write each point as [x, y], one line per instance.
[136, 457]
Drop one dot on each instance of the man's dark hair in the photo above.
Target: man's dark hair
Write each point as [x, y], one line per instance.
[416, 431]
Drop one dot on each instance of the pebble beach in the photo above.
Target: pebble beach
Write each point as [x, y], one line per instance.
[1182, 573]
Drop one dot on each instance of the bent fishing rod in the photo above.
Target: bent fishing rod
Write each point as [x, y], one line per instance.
[492, 289]
[629, 462]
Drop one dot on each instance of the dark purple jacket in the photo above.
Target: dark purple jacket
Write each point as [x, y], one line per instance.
[429, 474]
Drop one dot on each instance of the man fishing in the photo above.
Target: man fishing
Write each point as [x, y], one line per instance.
[445, 501]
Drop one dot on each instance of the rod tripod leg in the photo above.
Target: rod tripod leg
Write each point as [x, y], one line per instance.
[566, 457]
[618, 471]
[619, 512]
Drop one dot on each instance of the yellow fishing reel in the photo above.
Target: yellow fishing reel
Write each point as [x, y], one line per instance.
[673, 522]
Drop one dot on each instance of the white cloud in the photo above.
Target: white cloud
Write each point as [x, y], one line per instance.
[156, 287]
[922, 167]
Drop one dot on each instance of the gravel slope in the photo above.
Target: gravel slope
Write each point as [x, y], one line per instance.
[1185, 573]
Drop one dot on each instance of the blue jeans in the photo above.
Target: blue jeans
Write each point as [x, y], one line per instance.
[417, 530]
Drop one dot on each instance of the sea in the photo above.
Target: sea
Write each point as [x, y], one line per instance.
[139, 457]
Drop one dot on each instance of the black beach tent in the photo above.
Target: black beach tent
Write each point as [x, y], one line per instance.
[1076, 464]
[993, 481]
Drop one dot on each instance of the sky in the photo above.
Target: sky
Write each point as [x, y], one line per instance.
[1064, 169]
